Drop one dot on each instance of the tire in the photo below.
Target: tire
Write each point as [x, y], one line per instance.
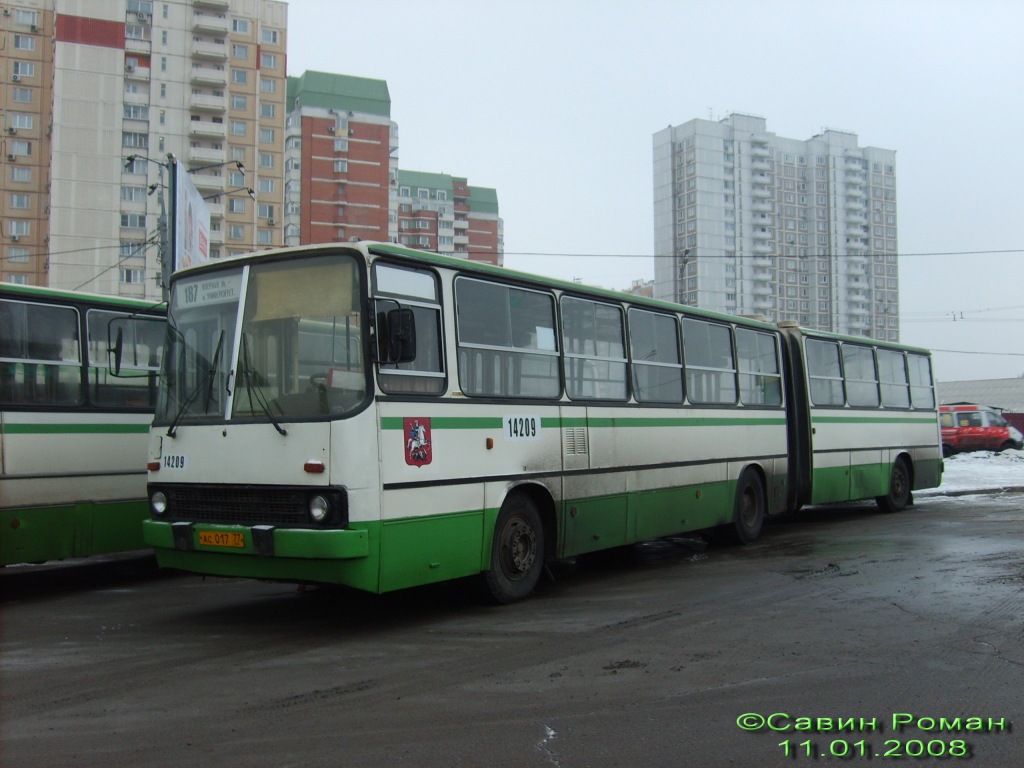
[517, 552]
[1006, 446]
[899, 488]
[749, 510]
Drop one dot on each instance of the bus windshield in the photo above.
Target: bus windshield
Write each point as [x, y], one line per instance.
[297, 352]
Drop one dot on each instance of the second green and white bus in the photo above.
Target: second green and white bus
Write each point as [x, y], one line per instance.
[379, 417]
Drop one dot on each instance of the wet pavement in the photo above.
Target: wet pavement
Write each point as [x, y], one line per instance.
[820, 641]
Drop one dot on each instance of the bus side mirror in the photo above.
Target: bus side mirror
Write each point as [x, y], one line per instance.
[115, 351]
[401, 336]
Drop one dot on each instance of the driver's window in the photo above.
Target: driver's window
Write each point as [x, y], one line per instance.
[418, 290]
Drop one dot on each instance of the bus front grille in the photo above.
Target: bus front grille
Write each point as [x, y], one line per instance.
[248, 505]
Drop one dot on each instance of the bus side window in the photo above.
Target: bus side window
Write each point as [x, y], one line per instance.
[893, 376]
[654, 349]
[823, 372]
[595, 356]
[922, 392]
[760, 378]
[710, 368]
[40, 354]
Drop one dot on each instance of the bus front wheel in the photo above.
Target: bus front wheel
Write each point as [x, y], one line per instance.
[899, 488]
[517, 552]
[749, 512]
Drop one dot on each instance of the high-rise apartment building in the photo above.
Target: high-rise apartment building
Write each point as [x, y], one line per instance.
[748, 222]
[343, 180]
[442, 213]
[89, 84]
[341, 157]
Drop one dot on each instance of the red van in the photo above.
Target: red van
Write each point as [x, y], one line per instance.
[976, 428]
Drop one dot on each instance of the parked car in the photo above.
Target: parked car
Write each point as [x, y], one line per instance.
[967, 427]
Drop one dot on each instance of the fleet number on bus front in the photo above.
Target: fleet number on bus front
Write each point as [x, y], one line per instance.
[522, 427]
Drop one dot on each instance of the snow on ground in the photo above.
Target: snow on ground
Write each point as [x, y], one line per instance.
[981, 471]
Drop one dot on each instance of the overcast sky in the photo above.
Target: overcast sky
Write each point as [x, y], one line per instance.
[554, 104]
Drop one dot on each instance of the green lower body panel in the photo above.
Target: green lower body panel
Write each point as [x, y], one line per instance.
[613, 521]
[38, 534]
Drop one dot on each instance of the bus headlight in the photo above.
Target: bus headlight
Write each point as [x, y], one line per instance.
[158, 502]
[319, 509]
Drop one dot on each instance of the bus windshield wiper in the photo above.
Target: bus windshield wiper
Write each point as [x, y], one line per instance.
[247, 376]
[206, 383]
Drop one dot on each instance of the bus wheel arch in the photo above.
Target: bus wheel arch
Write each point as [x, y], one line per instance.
[750, 507]
[523, 537]
[901, 481]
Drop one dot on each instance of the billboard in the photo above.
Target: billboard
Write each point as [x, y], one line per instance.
[191, 237]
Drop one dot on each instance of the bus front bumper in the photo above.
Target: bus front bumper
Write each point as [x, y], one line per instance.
[260, 540]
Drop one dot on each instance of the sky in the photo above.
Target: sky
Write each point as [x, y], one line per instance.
[554, 104]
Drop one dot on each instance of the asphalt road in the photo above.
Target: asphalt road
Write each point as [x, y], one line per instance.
[643, 658]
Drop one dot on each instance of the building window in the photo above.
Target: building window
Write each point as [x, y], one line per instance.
[21, 147]
[24, 43]
[19, 228]
[136, 112]
[17, 255]
[19, 200]
[24, 69]
[236, 205]
[267, 135]
[238, 102]
[265, 211]
[265, 237]
[341, 166]
[268, 110]
[133, 220]
[266, 160]
[21, 173]
[267, 85]
[239, 76]
[26, 18]
[132, 194]
[132, 276]
[268, 36]
[240, 51]
[268, 61]
[21, 95]
[236, 231]
[238, 128]
[267, 186]
[135, 140]
[241, 26]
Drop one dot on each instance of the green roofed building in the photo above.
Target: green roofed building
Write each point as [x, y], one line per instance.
[442, 213]
[342, 181]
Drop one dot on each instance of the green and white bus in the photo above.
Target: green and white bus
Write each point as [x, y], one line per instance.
[73, 429]
[379, 417]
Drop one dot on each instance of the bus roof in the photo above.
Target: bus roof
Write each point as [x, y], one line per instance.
[39, 292]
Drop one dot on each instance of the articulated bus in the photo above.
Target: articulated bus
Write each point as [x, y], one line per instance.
[73, 429]
[378, 417]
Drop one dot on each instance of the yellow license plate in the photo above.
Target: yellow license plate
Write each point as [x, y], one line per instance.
[231, 539]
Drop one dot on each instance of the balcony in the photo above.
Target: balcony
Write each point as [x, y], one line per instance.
[761, 165]
[213, 25]
[209, 76]
[207, 182]
[762, 192]
[220, 5]
[764, 302]
[763, 233]
[204, 50]
[201, 129]
[207, 102]
[763, 248]
[135, 72]
[206, 155]
[762, 206]
[760, 148]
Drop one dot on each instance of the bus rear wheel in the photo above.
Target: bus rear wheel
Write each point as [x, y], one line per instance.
[517, 552]
[899, 488]
[749, 512]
